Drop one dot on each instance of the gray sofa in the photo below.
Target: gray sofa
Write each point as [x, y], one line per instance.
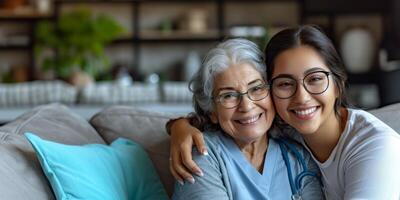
[21, 176]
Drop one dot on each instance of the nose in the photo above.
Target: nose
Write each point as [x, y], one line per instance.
[246, 104]
[301, 96]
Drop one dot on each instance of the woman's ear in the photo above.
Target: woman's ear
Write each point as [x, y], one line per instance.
[214, 117]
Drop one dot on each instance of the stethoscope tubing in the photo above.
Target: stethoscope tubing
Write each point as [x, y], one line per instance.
[296, 184]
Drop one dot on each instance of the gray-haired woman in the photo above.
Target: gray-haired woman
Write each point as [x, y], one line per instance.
[234, 109]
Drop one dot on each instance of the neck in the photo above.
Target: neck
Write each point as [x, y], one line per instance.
[325, 139]
[254, 151]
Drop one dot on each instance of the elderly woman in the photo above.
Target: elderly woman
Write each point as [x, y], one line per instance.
[233, 107]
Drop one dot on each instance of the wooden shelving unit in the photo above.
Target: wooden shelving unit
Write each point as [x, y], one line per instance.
[139, 36]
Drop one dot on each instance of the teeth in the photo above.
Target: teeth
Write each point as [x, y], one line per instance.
[249, 121]
[305, 112]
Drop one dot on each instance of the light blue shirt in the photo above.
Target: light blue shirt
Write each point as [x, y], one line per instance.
[228, 174]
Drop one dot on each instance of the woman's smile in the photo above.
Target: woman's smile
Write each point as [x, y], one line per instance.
[305, 113]
[249, 120]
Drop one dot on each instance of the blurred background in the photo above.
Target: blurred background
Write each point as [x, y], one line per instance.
[93, 53]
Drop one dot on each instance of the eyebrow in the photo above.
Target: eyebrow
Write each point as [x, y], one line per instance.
[231, 88]
[314, 69]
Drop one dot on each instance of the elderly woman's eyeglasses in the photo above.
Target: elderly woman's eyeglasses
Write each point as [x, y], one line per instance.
[285, 87]
[233, 99]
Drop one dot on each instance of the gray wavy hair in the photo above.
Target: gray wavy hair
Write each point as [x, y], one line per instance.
[228, 53]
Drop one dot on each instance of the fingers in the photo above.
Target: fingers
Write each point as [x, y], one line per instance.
[178, 170]
[199, 141]
[187, 160]
[174, 173]
[181, 164]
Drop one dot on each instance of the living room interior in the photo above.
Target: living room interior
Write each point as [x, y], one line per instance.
[90, 54]
[78, 73]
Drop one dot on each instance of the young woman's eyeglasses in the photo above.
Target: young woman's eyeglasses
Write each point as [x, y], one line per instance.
[285, 87]
[233, 99]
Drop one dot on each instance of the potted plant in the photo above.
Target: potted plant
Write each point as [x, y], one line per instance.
[77, 40]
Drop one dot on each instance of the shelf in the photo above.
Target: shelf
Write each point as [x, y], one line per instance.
[23, 14]
[13, 48]
[130, 1]
[223, 1]
[169, 37]
[343, 13]
[123, 39]
[7, 47]
[258, 1]
[340, 7]
[160, 1]
[94, 1]
[178, 36]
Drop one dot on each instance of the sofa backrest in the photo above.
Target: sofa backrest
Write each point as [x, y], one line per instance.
[390, 115]
[144, 127]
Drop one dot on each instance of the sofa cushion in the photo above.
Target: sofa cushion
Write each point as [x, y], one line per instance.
[143, 127]
[97, 171]
[390, 115]
[20, 171]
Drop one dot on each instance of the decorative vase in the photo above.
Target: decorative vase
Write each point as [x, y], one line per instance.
[43, 6]
[358, 48]
[197, 21]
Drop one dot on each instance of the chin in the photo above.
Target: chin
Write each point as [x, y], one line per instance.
[251, 137]
[306, 130]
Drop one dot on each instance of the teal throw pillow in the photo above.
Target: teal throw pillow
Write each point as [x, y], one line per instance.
[121, 171]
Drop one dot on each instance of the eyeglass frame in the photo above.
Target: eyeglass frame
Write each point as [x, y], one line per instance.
[327, 73]
[241, 94]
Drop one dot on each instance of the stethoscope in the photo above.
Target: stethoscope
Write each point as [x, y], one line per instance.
[296, 183]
